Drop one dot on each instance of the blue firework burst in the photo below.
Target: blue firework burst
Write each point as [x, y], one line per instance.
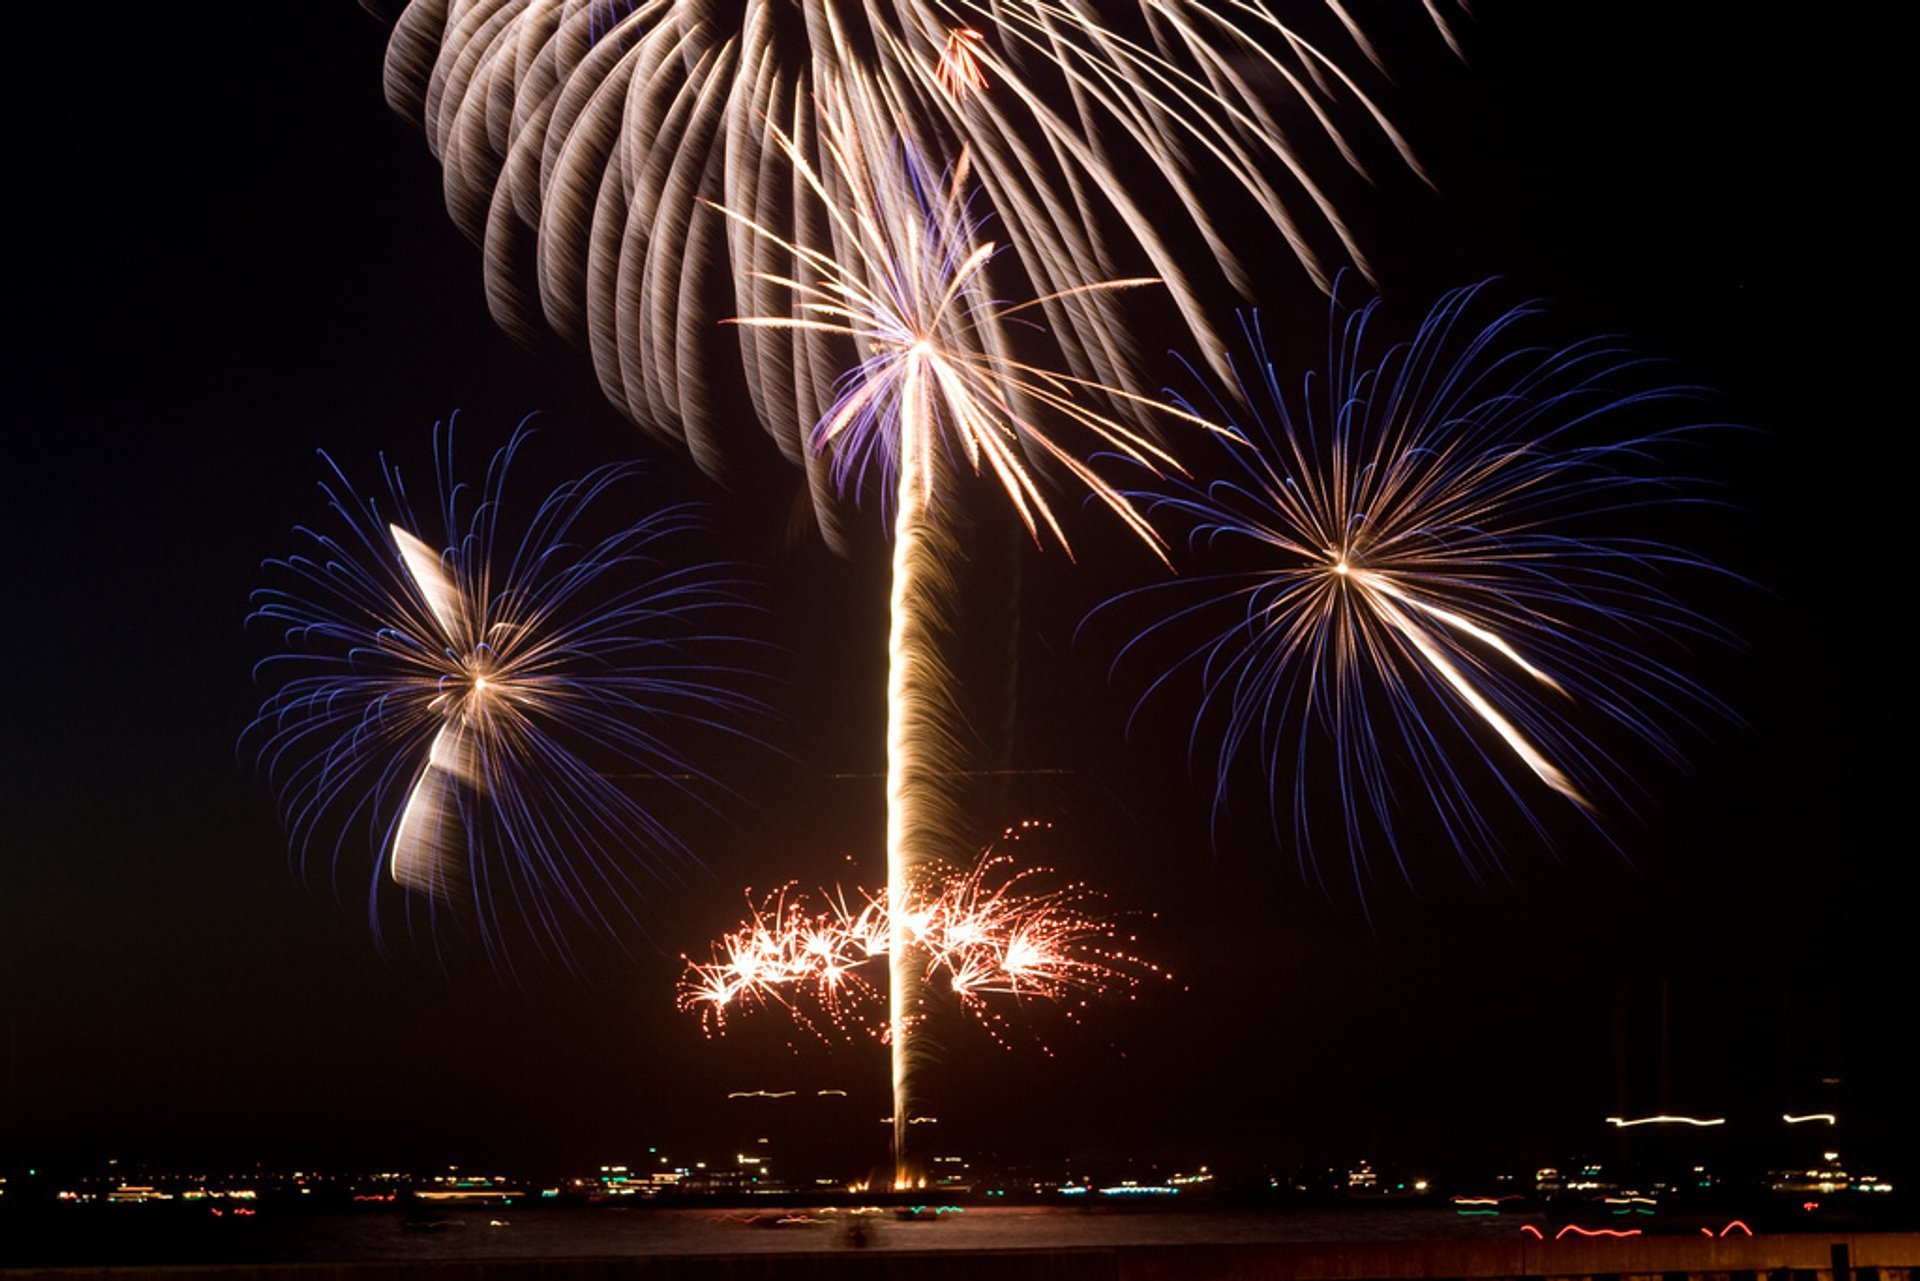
[1428, 585]
[478, 700]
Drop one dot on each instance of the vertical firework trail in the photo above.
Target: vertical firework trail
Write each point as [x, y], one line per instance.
[913, 726]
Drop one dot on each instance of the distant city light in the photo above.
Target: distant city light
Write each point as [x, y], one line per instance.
[1623, 1123]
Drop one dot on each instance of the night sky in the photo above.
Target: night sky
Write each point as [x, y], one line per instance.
[228, 253]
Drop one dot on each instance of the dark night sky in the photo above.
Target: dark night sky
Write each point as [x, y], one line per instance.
[229, 253]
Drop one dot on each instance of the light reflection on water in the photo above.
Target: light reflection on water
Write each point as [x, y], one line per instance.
[577, 1233]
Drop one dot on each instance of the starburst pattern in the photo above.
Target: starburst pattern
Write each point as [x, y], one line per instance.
[937, 378]
[1429, 580]
[481, 711]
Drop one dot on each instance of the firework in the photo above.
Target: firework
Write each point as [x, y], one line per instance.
[990, 934]
[578, 139]
[936, 379]
[937, 384]
[465, 711]
[1427, 573]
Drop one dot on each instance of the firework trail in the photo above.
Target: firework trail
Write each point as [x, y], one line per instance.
[579, 138]
[987, 933]
[467, 709]
[1427, 571]
[937, 385]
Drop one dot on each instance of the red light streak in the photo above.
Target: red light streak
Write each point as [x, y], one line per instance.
[959, 71]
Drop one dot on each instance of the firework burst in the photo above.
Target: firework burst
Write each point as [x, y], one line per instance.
[990, 934]
[464, 709]
[937, 380]
[578, 138]
[1427, 571]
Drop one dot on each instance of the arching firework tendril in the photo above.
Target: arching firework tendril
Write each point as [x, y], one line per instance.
[1434, 564]
[579, 139]
[460, 692]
